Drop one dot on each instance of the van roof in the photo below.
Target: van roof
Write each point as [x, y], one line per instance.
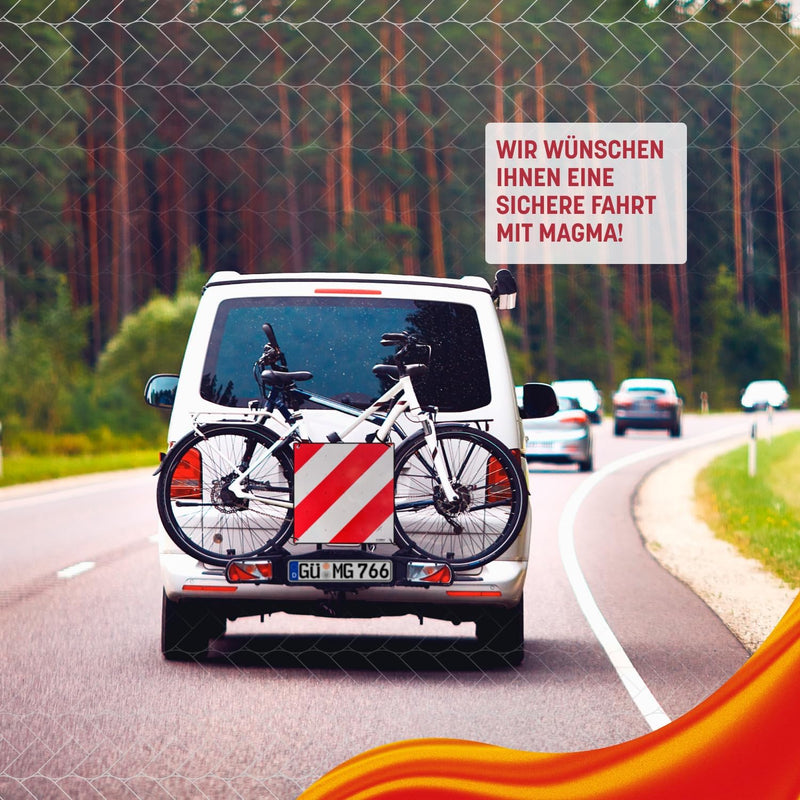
[232, 277]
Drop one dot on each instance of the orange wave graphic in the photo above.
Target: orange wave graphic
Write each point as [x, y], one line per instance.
[741, 743]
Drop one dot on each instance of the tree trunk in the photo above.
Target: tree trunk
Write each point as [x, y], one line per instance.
[550, 322]
[121, 256]
[736, 178]
[330, 182]
[685, 340]
[211, 194]
[499, 82]
[783, 271]
[180, 204]
[408, 216]
[91, 226]
[432, 175]
[387, 201]
[647, 312]
[605, 278]
[3, 297]
[523, 297]
[293, 207]
[249, 228]
[345, 99]
[548, 288]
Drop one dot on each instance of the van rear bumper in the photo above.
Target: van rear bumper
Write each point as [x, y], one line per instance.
[498, 583]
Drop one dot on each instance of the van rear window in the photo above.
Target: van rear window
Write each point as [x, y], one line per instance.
[338, 341]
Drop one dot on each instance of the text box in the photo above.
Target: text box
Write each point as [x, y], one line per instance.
[585, 193]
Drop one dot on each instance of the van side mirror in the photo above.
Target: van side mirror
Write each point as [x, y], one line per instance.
[160, 390]
[504, 291]
[538, 400]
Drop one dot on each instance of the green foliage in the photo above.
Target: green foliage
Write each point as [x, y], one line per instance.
[519, 358]
[631, 351]
[42, 368]
[738, 345]
[761, 514]
[151, 340]
[26, 467]
[51, 403]
[363, 248]
[659, 62]
[39, 112]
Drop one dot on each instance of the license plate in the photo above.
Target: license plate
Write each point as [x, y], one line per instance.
[340, 571]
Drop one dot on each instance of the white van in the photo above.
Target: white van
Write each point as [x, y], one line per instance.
[330, 329]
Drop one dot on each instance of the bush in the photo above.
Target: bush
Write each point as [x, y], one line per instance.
[42, 369]
[149, 341]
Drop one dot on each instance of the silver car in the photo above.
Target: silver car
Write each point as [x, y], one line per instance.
[563, 438]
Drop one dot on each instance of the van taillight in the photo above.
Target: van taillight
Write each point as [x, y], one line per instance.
[187, 480]
[498, 487]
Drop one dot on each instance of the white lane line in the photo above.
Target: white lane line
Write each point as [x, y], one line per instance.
[633, 682]
[75, 569]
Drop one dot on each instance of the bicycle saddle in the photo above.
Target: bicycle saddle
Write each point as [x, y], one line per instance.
[273, 378]
[386, 371]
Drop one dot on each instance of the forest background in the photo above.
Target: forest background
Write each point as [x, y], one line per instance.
[145, 145]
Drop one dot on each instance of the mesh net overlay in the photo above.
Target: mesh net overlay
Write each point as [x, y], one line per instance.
[140, 138]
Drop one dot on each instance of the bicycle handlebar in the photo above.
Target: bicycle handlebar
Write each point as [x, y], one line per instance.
[410, 348]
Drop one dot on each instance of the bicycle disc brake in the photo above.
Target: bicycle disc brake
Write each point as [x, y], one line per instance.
[224, 499]
[449, 508]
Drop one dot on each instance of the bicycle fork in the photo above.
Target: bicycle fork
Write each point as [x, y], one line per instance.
[438, 459]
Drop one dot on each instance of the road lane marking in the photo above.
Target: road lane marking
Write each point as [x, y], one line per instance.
[75, 569]
[633, 682]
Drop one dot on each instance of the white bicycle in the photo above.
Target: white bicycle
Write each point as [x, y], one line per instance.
[226, 489]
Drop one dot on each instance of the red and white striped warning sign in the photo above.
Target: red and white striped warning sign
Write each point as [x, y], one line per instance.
[343, 493]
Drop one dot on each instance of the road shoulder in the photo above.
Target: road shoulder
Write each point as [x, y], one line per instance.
[746, 597]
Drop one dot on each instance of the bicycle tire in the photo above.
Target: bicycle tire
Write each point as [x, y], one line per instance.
[203, 516]
[492, 503]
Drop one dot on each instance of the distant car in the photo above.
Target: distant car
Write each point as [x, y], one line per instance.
[563, 438]
[587, 394]
[761, 395]
[647, 403]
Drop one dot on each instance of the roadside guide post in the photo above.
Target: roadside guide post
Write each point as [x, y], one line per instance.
[1, 448]
[751, 450]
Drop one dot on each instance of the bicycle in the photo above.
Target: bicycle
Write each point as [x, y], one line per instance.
[225, 490]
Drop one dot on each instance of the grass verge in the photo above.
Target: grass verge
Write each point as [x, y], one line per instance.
[25, 468]
[759, 515]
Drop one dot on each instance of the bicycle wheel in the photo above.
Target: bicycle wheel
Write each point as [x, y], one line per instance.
[204, 514]
[490, 508]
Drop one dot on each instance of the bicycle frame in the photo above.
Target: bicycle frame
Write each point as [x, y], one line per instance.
[401, 398]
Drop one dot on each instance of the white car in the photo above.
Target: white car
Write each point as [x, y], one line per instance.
[331, 326]
[587, 394]
[764, 394]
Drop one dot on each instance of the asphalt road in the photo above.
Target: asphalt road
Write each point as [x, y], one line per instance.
[88, 708]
